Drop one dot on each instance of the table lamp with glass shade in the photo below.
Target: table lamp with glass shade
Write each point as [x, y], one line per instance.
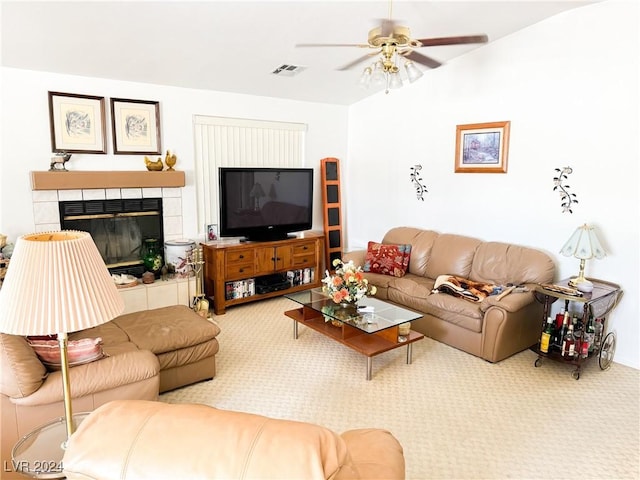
[57, 284]
[583, 244]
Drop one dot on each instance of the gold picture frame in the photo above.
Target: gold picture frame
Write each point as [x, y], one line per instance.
[482, 147]
[136, 127]
[77, 123]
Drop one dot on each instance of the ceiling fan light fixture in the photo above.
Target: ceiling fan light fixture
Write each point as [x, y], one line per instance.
[394, 80]
[365, 78]
[393, 43]
[413, 72]
[378, 76]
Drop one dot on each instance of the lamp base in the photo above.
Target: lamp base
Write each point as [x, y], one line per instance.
[575, 281]
[584, 286]
[580, 278]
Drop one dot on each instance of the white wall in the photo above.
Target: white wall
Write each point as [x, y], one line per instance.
[26, 142]
[569, 86]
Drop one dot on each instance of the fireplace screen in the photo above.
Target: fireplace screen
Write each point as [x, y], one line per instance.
[118, 227]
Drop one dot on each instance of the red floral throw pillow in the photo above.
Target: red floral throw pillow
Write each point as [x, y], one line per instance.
[78, 351]
[387, 259]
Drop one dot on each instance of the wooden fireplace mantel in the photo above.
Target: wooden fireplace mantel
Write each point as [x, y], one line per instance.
[71, 180]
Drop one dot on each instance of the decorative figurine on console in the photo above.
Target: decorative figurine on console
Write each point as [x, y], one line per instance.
[58, 161]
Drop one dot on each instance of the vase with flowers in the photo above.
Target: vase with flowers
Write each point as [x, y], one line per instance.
[347, 285]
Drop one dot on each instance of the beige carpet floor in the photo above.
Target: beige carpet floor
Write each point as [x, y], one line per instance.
[457, 416]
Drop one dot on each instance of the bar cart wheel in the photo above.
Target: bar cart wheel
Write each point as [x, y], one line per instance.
[576, 374]
[538, 362]
[607, 350]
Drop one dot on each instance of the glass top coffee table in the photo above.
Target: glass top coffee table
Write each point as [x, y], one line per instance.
[373, 328]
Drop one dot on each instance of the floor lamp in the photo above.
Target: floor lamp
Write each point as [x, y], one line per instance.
[57, 283]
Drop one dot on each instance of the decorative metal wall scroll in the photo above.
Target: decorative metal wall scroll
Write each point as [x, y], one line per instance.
[566, 199]
[416, 179]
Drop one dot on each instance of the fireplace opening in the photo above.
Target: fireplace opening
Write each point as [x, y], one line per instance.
[118, 227]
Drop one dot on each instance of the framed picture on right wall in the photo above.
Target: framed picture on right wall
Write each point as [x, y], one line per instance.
[482, 147]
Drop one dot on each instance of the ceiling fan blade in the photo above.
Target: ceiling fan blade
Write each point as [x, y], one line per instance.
[359, 45]
[434, 42]
[423, 59]
[355, 62]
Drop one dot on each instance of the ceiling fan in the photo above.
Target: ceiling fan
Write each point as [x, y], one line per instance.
[393, 41]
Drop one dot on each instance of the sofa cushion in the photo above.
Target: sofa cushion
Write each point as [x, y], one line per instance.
[454, 310]
[504, 263]
[387, 259]
[167, 329]
[192, 354]
[110, 333]
[402, 235]
[421, 248]
[22, 373]
[414, 285]
[451, 255]
[381, 282]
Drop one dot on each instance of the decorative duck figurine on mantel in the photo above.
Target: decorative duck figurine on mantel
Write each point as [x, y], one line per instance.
[170, 159]
[153, 166]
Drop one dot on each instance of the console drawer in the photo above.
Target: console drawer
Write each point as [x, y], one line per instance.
[304, 255]
[237, 272]
[305, 248]
[239, 256]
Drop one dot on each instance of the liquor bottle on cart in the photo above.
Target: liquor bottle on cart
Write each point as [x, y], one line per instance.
[561, 332]
[545, 338]
[569, 344]
[597, 337]
[560, 318]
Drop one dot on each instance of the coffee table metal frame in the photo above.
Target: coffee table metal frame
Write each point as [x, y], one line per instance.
[369, 333]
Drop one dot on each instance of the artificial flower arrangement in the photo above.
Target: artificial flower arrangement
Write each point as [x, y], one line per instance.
[348, 284]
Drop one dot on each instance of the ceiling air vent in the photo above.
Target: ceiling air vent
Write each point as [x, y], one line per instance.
[288, 70]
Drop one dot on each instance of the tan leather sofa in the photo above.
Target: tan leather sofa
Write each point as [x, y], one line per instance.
[493, 329]
[147, 352]
[131, 439]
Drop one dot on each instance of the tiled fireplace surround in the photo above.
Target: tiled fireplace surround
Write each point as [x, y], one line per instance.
[142, 297]
[46, 215]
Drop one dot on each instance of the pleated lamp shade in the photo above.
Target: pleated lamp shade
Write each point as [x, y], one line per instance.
[57, 283]
[583, 244]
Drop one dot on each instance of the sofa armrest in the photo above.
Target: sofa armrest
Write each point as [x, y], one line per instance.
[358, 256]
[507, 332]
[98, 376]
[511, 303]
[375, 454]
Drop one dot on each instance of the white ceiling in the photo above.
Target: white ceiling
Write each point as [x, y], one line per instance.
[234, 46]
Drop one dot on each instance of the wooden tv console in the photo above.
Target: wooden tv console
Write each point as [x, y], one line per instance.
[231, 265]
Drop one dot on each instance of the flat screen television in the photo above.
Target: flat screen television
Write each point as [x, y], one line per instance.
[265, 203]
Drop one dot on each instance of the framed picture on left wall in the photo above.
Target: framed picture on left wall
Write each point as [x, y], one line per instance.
[136, 126]
[77, 123]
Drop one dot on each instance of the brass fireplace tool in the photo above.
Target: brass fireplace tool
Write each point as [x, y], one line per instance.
[200, 303]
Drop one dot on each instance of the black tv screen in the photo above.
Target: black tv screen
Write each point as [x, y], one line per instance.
[265, 203]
